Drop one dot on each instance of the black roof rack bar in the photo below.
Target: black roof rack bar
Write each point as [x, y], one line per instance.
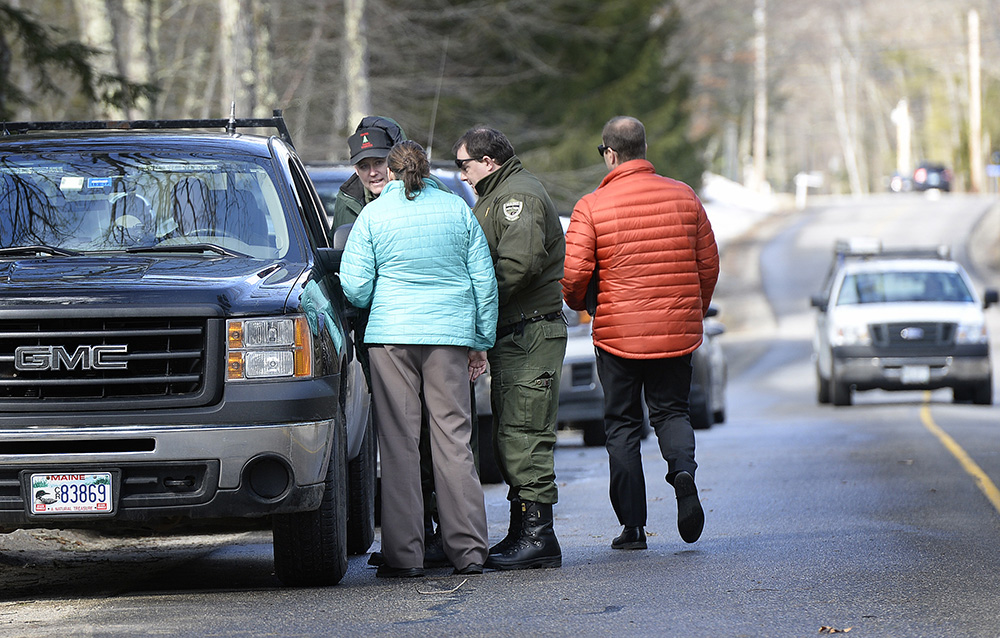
[230, 124]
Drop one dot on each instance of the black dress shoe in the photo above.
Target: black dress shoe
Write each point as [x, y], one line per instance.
[385, 571]
[690, 516]
[469, 570]
[376, 559]
[630, 538]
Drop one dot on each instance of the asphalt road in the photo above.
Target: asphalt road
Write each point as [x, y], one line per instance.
[865, 518]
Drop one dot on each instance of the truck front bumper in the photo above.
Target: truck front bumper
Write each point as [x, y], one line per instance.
[910, 373]
[165, 473]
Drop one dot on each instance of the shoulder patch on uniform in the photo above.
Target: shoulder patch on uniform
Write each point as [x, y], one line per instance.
[512, 209]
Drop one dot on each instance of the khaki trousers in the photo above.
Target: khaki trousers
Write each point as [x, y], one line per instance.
[399, 374]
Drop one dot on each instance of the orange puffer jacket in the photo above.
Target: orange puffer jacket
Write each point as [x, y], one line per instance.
[658, 263]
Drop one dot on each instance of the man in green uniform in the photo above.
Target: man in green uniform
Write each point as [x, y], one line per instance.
[527, 244]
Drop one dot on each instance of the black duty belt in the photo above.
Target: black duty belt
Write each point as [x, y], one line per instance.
[518, 328]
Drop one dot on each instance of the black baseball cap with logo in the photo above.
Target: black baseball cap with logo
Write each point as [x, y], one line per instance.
[369, 142]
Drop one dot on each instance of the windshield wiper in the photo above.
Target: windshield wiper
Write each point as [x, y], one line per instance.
[186, 248]
[38, 249]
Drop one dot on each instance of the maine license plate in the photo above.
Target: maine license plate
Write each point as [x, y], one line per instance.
[915, 374]
[69, 493]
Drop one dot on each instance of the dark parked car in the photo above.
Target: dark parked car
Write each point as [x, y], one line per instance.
[930, 176]
[174, 346]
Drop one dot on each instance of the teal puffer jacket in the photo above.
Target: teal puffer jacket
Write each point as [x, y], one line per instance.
[424, 268]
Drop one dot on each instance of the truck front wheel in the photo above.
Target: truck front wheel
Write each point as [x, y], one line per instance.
[310, 548]
[840, 392]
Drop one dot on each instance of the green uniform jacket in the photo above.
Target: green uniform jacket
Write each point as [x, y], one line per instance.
[352, 197]
[526, 242]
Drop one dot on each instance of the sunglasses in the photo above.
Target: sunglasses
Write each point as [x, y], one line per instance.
[601, 148]
[460, 163]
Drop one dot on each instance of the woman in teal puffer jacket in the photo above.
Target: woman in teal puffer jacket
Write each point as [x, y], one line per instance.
[418, 258]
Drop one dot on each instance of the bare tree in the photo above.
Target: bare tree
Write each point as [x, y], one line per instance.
[356, 61]
[96, 31]
[136, 46]
[245, 66]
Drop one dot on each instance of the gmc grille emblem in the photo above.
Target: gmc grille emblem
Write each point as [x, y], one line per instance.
[912, 334]
[33, 358]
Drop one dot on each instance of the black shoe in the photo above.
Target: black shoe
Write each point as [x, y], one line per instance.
[385, 571]
[376, 559]
[630, 538]
[469, 570]
[690, 516]
[513, 529]
[536, 546]
[434, 555]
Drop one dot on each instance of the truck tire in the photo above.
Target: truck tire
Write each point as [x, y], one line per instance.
[361, 494]
[840, 392]
[310, 548]
[982, 392]
[822, 389]
[701, 414]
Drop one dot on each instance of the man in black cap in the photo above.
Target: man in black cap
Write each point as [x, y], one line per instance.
[369, 146]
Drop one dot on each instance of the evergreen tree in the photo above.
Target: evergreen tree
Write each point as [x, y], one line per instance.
[27, 41]
[596, 60]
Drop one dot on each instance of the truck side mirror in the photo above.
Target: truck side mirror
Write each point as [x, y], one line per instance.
[990, 297]
[340, 235]
[330, 257]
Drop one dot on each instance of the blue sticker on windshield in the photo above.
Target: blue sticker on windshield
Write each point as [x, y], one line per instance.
[98, 182]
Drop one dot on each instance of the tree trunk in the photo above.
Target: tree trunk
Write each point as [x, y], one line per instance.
[261, 79]
[760, 98]
[137, 49]
[173, 75]
[237, 57]
[847, 142]
[355, 63]
[96, 31]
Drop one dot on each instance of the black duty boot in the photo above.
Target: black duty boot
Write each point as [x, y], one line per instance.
[513, 530]
[536, 546]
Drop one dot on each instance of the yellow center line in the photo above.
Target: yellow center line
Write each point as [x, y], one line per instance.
[983, 481]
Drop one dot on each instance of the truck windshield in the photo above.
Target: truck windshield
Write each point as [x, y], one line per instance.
[890, 287]
[101, 202]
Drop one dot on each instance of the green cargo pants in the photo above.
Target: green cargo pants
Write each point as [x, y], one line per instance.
[525, 370]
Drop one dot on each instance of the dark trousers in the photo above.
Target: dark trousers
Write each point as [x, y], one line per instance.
[666, 384]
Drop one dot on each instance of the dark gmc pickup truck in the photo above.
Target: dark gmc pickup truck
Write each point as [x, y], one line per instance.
[174, 345]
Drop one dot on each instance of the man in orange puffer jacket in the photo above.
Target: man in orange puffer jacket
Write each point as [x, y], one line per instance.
[647, 240]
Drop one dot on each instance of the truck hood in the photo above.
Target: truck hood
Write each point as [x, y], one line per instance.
[236, 285]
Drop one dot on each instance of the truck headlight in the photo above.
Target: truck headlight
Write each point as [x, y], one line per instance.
[851, 335]
[971, 333]
[269, 348]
